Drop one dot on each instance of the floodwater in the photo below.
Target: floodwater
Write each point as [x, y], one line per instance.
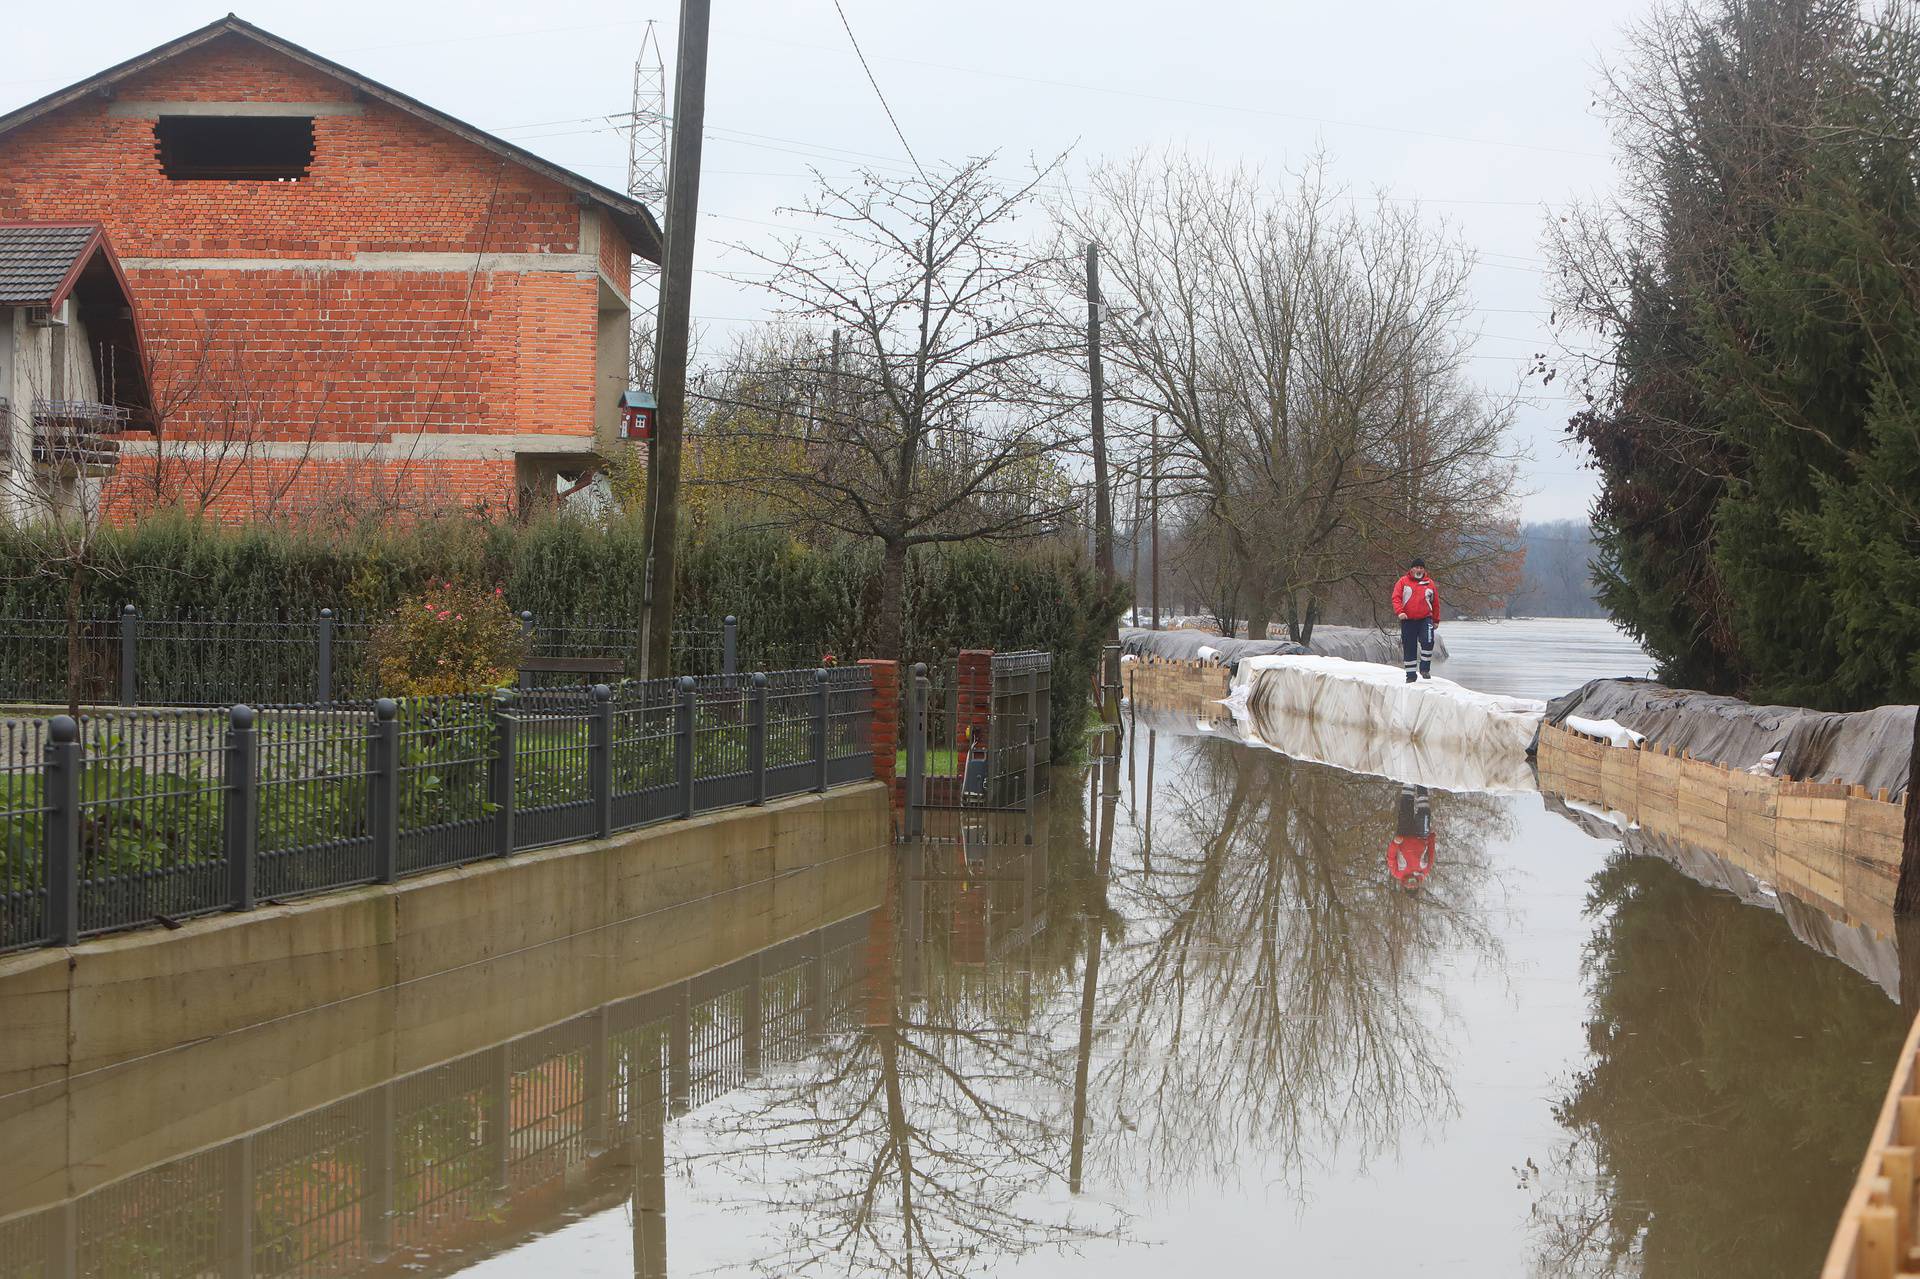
[1228, 1014]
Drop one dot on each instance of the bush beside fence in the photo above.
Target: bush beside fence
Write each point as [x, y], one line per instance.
[127, 817]
[581, 581]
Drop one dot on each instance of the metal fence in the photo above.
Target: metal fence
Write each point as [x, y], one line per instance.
[198, 660]
[973, 743]
[126, 817]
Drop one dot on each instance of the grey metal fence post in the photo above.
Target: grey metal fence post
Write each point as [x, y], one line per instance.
[242, 794]
[680, 1053]
[376, 1213]
[1030, 781]
[61, 832]
[383, 789]
[683, 745]
[916, 748]
[323, 657]
[819, 734]
[729, 645]
[129, 656]
[526, 632]
[757, 736]
[600, 759]
[500, 771]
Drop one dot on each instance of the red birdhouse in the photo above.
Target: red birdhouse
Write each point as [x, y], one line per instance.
[636, 415]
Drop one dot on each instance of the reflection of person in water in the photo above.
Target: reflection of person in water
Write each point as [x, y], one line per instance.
[1410, 855]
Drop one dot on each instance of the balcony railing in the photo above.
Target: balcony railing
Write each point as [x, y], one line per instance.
[73, 434]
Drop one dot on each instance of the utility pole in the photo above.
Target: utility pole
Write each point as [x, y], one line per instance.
[1133, 554]
[676, 316]
[647, 183]
[1154, 516]
[1096, 378]
[1102, 499]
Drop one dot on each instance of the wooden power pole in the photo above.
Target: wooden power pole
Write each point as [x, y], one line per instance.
[1102, 499]
[1097, 384]
[1154, 515]
[676, 317]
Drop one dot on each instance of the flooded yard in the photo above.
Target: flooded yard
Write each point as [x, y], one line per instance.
[1228, 1013]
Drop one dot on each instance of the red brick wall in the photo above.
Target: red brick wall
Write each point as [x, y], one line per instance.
[382, 181]
[886, 717]
[247, 486]
[333, 358]
[616, 259]
[974, 674]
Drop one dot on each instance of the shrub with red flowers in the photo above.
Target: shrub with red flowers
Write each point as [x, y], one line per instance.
[454, 638]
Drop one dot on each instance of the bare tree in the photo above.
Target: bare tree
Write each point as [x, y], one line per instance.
[1311, 359]
[929, 418]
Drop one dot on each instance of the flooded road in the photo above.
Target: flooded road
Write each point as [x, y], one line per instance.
[1228, 1014]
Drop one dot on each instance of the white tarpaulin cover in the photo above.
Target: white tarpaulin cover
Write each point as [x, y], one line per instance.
[1366, 718]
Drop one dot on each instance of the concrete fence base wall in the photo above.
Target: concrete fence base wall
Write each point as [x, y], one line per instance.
[347, 988]
[1834, 845]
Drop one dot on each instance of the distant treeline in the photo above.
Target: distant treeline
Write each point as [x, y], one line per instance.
[1558, 578]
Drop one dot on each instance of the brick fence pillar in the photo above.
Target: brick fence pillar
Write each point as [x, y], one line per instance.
[973, 674]
[887, 710]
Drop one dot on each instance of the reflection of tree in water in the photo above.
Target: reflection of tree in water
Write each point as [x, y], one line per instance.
[1276, 989]
[1733, 1078]
[926, 1140]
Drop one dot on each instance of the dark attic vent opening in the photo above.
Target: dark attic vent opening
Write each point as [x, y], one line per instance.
[256, 148]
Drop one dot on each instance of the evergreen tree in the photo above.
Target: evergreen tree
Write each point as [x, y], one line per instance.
[1755, 424]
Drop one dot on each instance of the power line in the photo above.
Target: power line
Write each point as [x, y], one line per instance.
[884, 104]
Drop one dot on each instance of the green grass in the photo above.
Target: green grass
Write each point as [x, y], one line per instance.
[942, 761]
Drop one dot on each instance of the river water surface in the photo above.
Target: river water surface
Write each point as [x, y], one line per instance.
[1214, 1020]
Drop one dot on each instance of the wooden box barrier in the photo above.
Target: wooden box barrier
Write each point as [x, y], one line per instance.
[1834, 845]
[1162, 681]
[1876, 1235]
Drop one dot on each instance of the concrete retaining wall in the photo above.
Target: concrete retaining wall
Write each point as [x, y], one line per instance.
[342, 990]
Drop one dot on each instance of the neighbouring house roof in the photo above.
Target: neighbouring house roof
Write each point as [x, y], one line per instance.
[631, 216]
[41, 261]
[45, 263]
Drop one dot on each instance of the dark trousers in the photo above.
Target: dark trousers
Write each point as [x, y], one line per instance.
[1416, 644]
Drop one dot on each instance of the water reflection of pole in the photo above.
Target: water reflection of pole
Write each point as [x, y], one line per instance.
[1106, 797]
[1146, 832]
[650, 1174]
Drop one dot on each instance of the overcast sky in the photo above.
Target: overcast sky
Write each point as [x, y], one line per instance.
[1482, 112]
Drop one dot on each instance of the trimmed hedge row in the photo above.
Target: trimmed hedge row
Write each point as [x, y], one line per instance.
[792, 598]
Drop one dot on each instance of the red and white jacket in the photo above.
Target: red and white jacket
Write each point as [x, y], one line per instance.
[1416, 598]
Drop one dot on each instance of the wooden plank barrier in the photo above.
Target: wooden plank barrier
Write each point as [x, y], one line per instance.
[1168, 682]
[1834, 845]
[1876, 1235]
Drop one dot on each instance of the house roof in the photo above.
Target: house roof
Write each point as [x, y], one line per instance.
[40, 261]
[45, 263]
[631, 216]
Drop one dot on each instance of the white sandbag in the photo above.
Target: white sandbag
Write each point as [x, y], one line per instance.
[1367, 719]
[1607, 730]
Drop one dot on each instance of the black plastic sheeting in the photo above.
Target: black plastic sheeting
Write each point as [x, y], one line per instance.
[1355, 643]
[1872, 748]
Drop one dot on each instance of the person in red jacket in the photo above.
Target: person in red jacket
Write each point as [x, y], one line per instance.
[1410, 852]
[1416, 602]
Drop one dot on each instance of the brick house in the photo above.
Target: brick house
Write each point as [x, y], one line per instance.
[346, 296]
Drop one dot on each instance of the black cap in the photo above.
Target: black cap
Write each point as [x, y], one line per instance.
[1417, 562]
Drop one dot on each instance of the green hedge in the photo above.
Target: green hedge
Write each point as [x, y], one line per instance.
[795, 601]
